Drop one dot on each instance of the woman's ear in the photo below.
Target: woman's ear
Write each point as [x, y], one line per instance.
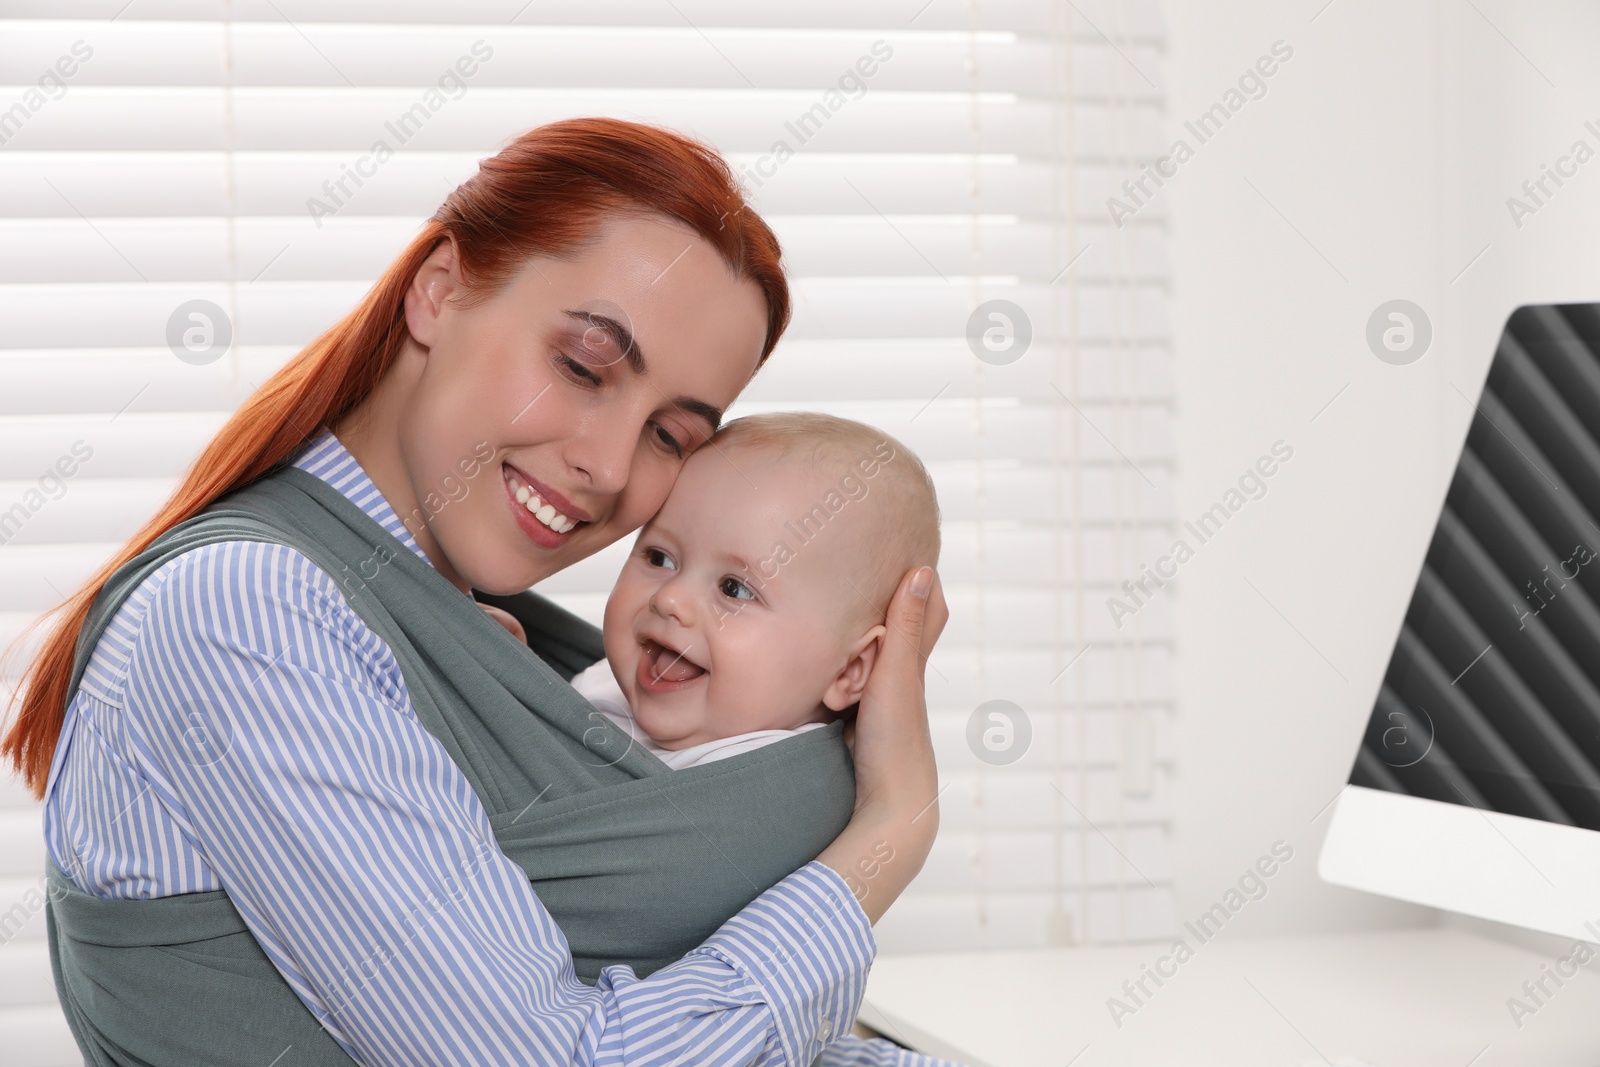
[435, 280]
[848, 685]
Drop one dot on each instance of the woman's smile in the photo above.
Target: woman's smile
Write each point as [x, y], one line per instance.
[544, 515]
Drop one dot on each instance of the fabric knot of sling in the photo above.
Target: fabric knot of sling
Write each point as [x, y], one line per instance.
[637, 863]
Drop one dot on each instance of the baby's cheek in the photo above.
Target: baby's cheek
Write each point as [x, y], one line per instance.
[757, 691]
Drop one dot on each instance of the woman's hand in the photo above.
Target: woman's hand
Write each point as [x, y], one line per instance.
[508, 620]
[897, 784]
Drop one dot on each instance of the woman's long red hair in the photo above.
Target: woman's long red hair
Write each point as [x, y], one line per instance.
[542, 195]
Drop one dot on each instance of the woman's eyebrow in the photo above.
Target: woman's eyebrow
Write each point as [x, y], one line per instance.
[711, 414]
[622, 337]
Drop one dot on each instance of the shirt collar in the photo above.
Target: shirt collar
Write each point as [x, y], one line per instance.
[328, 459]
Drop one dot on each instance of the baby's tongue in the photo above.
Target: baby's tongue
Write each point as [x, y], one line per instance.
[668, 666]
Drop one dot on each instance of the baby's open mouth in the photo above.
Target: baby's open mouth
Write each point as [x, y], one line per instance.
[661, 666]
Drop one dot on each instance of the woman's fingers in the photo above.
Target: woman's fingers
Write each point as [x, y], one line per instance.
[508, 620]
[893, 704]
[935, 614]
[917, 614]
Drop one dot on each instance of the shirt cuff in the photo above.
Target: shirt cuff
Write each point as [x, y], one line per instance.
[876, 1052]
[808, 946]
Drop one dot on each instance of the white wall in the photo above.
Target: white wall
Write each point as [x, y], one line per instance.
[1391, 140]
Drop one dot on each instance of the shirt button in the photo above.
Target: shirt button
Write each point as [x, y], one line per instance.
[825, 1030]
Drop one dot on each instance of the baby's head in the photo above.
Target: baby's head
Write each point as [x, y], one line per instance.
[755, 598]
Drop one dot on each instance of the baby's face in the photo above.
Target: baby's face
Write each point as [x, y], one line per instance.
[724, 620]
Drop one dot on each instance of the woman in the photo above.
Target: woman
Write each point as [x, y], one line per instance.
[576, 316]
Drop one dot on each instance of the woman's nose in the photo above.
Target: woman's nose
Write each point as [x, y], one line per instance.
[602, 452]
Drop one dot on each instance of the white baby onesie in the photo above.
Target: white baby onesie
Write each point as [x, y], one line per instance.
[599, 687]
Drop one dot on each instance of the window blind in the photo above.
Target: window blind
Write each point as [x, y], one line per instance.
[917, 159]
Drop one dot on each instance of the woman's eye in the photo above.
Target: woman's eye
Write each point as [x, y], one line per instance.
[668, 440]
[657, 558]
[733, 587]
[578, 370]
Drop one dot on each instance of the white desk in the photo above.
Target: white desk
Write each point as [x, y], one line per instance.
[1414, 998]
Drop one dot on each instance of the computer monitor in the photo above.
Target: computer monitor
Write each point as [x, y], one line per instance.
[1477, 784]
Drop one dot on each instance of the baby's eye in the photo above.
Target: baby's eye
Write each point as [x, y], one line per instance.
[733, 587]
[657, 558]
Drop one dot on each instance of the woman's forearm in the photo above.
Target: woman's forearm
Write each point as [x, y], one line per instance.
[878, 855]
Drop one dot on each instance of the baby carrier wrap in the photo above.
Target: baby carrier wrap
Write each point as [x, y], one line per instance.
[637, 863]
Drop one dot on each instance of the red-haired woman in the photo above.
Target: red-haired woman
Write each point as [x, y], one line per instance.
[273, 807]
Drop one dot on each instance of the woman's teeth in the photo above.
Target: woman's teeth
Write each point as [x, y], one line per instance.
[540, 510]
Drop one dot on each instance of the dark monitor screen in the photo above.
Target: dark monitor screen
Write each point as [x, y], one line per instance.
[1492, 695]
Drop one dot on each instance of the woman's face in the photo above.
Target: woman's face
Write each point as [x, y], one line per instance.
[584, 382]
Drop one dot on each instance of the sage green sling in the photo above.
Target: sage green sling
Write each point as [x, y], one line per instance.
[637, 863]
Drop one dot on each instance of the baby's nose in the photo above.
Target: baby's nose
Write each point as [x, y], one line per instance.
[672, 600]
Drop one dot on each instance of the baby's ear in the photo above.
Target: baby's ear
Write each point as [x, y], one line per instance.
[851, 681]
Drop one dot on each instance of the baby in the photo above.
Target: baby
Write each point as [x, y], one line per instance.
[752, 605]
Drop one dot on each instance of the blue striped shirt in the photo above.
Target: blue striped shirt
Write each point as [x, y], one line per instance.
[335, 813]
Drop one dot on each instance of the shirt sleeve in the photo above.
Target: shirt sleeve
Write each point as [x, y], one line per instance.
[273, 724]
[876, 1052]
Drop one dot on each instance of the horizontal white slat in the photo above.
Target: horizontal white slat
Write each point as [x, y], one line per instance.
[134, 445]
[1002, 919]
[960, 678]
[1013, 799]
[253, 119]
[21, 847]
[24, 979]
[298, 248]
[22, 906]
[412, 184]
[577, 57]
[1021, 859]
[1122, 20]
[1017, 618]
[102, 382]
[801, 373]
[38, 1036]
[13, 795]
[826, 307]
[288, 313]
[94, 510]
